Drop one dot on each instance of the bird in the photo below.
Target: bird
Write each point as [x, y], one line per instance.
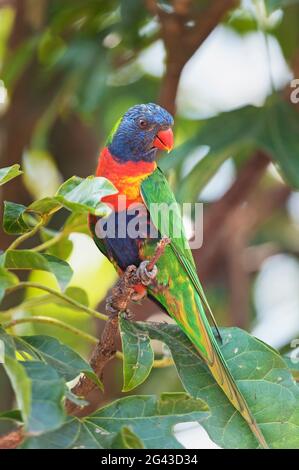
[129, 235]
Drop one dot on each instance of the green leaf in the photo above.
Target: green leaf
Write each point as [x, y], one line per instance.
[273, 128]
[78, 294]
[272, 5]
[38, 388]
[76, 194]
[280, 140]
[7, 279]
[13, 221]
[47, 205]
[76, 222]
[191, 186]
[261, 375]
[150, 418]
[126, 439]
[9, 345]
[51, 47]
[20, 383]
[12, 414]
[75, 293]
[8, 173]
[15, 63]
[240, 130]
[84, 195]
[47, 389]
[26, 259]
[67, 363]
[73, 434]
[293, 365]
[138, 355]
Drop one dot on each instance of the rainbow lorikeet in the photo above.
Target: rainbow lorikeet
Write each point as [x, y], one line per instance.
[128, 161]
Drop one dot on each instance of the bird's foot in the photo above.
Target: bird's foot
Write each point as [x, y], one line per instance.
[110, 309]
[128, 315]
[147, 276]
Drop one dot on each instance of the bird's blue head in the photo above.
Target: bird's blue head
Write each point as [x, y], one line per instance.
[138, 135]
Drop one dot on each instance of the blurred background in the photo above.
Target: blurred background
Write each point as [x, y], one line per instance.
[70, 68]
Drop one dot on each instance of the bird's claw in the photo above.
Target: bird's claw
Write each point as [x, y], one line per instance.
[128, 315]
[110, 308]
[147, 276]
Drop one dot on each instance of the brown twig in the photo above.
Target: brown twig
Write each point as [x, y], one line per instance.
[12, 440]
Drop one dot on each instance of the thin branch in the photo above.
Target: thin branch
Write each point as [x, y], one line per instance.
[54, 322]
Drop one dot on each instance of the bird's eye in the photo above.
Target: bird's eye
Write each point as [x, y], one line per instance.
[142, 123]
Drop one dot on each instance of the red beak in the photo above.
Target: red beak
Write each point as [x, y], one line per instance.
[164, 140]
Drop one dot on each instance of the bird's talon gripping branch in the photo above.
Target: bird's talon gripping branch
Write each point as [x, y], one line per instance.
[129, 315]
[147, 276]
[110, 309]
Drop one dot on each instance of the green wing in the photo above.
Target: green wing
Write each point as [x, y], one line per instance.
[156, 190]
[181, 293]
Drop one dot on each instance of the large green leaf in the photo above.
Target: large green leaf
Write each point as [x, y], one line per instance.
[76, 222]
[280, 139]
[293, 364]
[8, 173]
[38, 388]
[150, 418]
[67, 363]
[138, 355]
[26, 259]
[76, 194]
[273, 128]
[262, 376]
[20, 383]
[84, 195]
[47, 392]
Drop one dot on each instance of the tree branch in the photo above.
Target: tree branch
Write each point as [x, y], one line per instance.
[12, 440]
